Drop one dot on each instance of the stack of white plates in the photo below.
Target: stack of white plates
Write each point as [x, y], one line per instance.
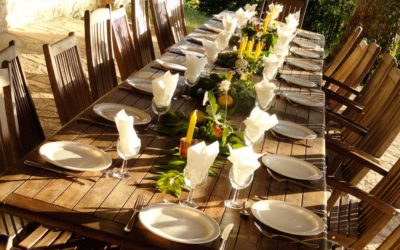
[305, 100]
[141, 84]
[299, 81]
[293, 130]
[109, 110]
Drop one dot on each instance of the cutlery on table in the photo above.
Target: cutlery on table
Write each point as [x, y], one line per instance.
[279, 179]
[136, 209]
[165, 69]
[225, 235]
[94, 122]
[304, 242]
[58, 171]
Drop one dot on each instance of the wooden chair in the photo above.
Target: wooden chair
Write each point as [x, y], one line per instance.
[27, 128]
[15, 230]
[289, 7]
[343, 52]
[127, 58]
[351, 73]
[354, 224]
[99, 51]
[161, 24]
[141, 32]
[392, 241]
[68, 82]
[176, 14]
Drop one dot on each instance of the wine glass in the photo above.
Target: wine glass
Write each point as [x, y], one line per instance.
[252, 140]
[121, 172]
[234, 203]
[189, 83]
[192, 181]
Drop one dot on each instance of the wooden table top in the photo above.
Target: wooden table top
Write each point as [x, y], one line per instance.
[100, 208]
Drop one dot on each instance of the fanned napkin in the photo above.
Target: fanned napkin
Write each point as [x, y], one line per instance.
[275, 10]
[230, 23]
[194, 66]
[243, 16]
[257, 123]
[212, 51]
[271, 65]
[292, 21]
[199, 159]
[265, 91]
[250, 7]
[129, 141]
[244, 163]
[163, 89]
[222, 40]
[285, 36]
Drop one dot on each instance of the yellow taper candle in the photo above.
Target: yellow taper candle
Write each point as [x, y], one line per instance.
[257, 53]
[265, 24]
[192, 125]
[250, 46]
[242, 46]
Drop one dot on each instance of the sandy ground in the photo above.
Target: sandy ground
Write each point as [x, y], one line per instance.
[30, 40]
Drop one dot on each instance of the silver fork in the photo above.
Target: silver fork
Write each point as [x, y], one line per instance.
[278, 179]
[136, 209]
[293, 240]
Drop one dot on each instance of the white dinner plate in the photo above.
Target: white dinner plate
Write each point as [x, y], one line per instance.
[202, 36]
[213, 28]
[304, 53]
[299, 81]
[288, 218]
[292, 167]
[141, 84]
[173, 66]
[184, 47]
[303, 64]
[179, 223]
[293, 130]
[75, 156]
[109, 111]
[305, 100]
[306, 43]
[307, 34]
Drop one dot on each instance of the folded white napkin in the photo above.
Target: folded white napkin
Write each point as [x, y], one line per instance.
[212, 51]
[222, 40]
[275, 9]
[199, 159]
[250, 7]
[194, 66]
[244, 163]
[292, 21]
[257, 123]
[163, 89]
[285, 36]
[265, 91]
[271, 65]
[129, 142]
[243, 16]
[230, 23]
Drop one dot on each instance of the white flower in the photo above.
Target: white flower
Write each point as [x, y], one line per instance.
[205, 98]
[225, 85]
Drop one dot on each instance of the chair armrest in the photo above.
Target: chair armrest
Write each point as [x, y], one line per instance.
[330, 80]
[369, 198]
[356, 154]
[5, 242]
[347, 102]
[344, 121]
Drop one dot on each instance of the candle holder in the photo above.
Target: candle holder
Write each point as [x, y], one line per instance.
[183, 146]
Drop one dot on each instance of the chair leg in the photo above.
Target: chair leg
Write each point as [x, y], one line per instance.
[5, 242]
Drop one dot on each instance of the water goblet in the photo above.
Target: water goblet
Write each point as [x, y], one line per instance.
[192, 181]
[121, 173]
[252, 140]
[234, 203]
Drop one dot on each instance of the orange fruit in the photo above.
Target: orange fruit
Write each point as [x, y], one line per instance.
[225, 100]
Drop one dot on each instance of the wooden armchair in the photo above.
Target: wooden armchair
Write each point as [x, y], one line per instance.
[14, 230]
[289, 6]
[161, 24]
[127, 57]
[99, 51]
[176, 14]
[354, 224]
[141, 32]
[26, 127]
[67, 79]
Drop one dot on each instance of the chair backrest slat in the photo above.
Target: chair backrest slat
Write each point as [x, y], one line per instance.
[127, 57]
[27, 127]
[162, 24]
[68, 82]
[289, 7]
[344, 51]
[176, 16]
[99, 51]
[141, 31]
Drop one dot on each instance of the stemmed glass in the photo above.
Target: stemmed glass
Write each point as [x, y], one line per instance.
[188, 85]
[192, 182]
[234, 203]
[250, 140]
[121, 172]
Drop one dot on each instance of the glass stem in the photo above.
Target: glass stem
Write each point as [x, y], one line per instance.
[235, 196]
[123, 167]
[190, 196]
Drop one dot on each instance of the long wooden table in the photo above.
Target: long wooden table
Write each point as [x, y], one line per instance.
[100, 208]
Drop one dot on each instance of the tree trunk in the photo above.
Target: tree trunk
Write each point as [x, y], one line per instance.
[380, 20]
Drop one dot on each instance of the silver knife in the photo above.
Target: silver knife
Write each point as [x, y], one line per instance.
[225, 235]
